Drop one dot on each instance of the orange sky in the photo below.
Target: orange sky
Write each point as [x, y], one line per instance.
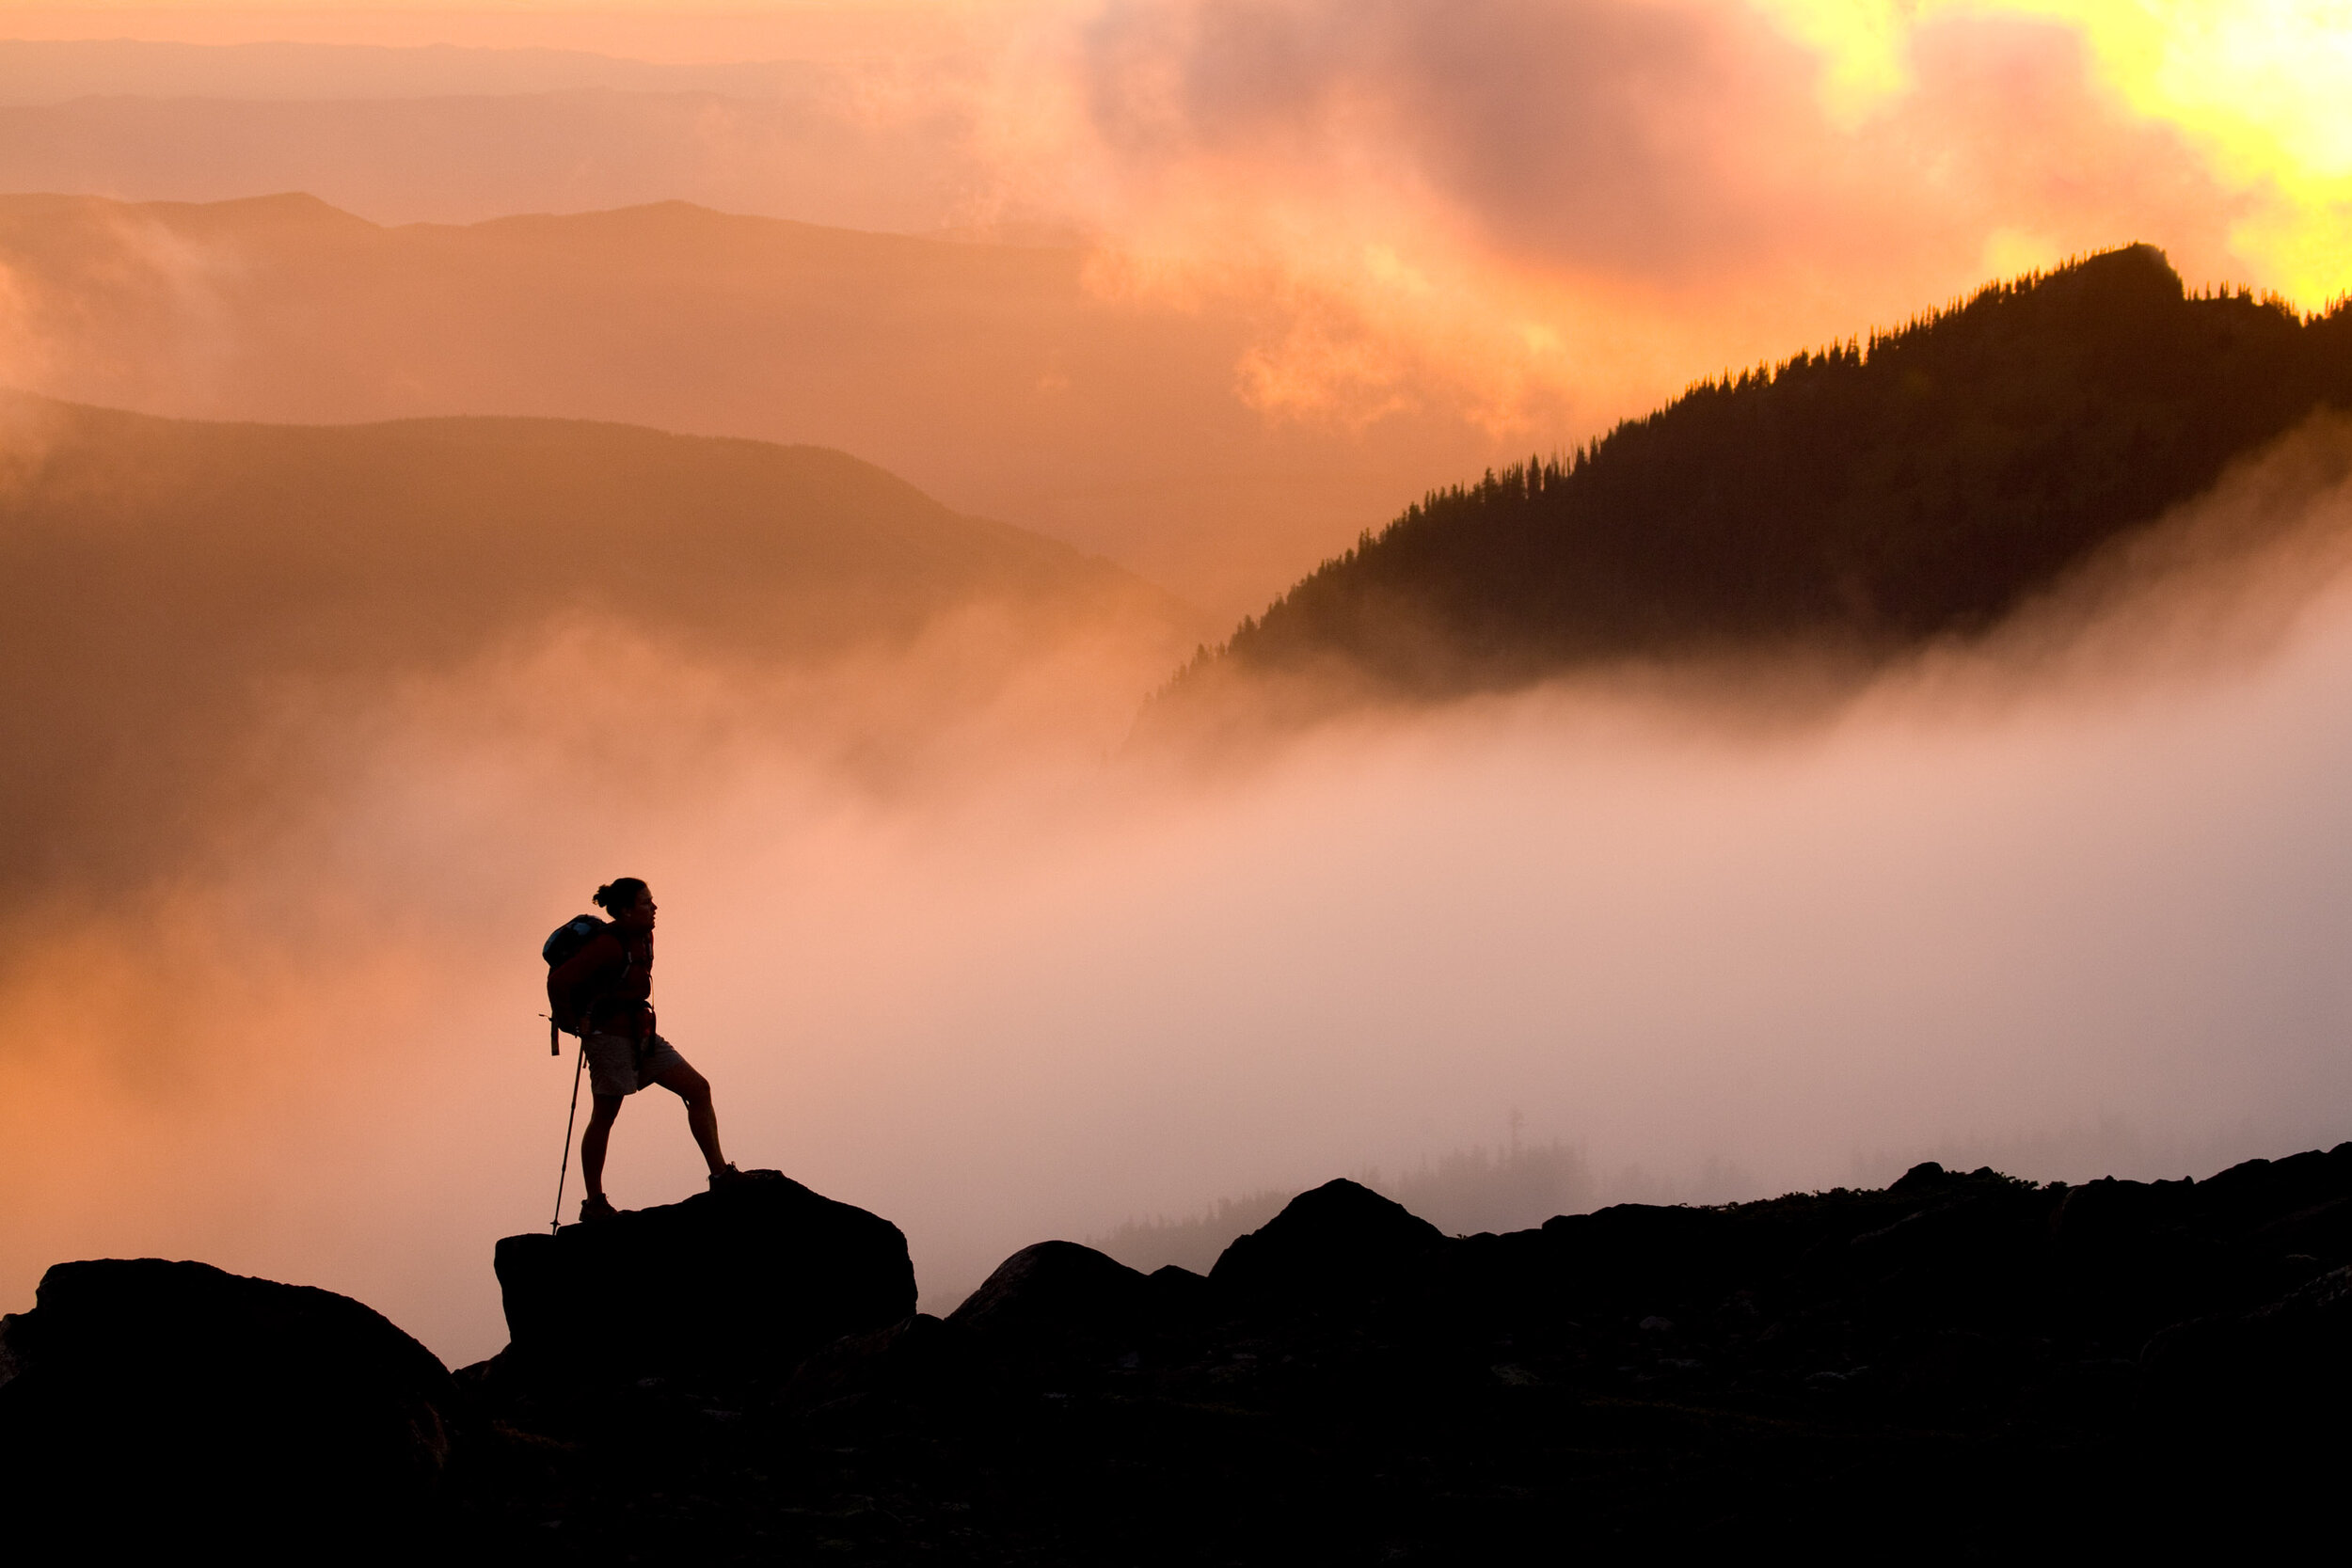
[642, 31]
[1587, 199]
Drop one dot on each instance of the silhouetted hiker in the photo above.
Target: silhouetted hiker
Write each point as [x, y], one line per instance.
[604, 993]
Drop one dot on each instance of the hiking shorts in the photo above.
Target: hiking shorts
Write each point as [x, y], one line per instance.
[615, 1068]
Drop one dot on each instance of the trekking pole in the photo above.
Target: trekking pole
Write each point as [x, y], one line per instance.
[565, 1169]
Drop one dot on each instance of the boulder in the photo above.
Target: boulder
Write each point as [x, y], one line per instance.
[1179, 1295]
[2288, 1364]
[2322, 1232]
[918, 1360]
[1645, 1251]
[1057, 1294]
[718, 1290]
[1339, 1243]
[2099, 1219]
[2254, 1191]
[144, 1398]
[1925, 1175]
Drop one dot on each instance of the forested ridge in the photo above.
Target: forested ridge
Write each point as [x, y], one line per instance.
[1868, 497]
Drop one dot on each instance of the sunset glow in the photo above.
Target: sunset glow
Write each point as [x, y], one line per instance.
[2255, 89]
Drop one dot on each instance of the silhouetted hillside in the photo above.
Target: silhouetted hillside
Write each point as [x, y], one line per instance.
[1870, 496]
[181, 590]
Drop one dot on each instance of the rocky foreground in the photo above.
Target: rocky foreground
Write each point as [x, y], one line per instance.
[1959, 1364]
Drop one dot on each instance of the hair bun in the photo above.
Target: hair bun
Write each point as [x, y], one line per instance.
[620, 894]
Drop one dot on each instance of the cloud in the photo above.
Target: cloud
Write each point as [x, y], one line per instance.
[1557, 213]
[1592, 135]
[2253, 87]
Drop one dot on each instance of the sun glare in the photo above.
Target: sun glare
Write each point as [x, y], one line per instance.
[2255, 87]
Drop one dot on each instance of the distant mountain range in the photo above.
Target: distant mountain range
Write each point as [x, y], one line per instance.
[58, 71]
[1866, 499]
[444, 135]
[173, 582]
[1005, 379]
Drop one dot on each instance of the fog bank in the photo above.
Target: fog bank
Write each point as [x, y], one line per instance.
[2076, 900]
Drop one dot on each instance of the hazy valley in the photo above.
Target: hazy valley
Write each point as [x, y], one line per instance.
[1024, 383]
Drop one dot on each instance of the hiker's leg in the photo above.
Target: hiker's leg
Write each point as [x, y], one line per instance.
[601, 1112]
[701, 1119]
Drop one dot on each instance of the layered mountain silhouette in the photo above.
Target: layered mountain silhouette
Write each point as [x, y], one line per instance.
[179, 589]
[1864, 500]
[1953, 1365]
[443, 133]
[1005, 379]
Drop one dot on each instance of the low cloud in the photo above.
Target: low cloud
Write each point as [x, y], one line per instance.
[2075, 895]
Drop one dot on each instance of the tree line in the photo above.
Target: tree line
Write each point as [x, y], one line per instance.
[1868, 496]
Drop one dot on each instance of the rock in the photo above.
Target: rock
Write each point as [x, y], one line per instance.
[2100, 1218]
[1926, 1173]
[144, 1398]
[1338, 1241]
[721, 1290]
[2323, 1231]
[2312, 1327]
[917, 1358]
[1642, 1248]
[1352, 1385]
[1965, 1239]
[1178, 1294]
[2288, 1363]
[1057, 1293]
[2254, 1191]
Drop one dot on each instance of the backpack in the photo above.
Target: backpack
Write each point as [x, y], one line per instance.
[562, 944]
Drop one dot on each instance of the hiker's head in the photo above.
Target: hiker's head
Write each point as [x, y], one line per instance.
[628, 900]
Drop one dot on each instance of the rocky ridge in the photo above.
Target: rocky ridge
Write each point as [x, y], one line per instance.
[1964, 1361]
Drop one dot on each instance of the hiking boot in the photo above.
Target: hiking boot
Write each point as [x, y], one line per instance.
[725, 1176]
[595, 1206]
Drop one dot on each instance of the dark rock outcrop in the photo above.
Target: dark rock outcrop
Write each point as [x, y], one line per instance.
[2286, 1361]
[1927, 1174]
[2135, 1366]
[1054, 1294]
[144, 1399]
[723, 1289]
[1339, 1243]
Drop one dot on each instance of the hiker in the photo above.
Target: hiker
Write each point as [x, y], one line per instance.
[603, 993]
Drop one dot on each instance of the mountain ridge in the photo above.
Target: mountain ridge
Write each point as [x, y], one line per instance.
[172, 575]
[1005, 379]
[1868, 498]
